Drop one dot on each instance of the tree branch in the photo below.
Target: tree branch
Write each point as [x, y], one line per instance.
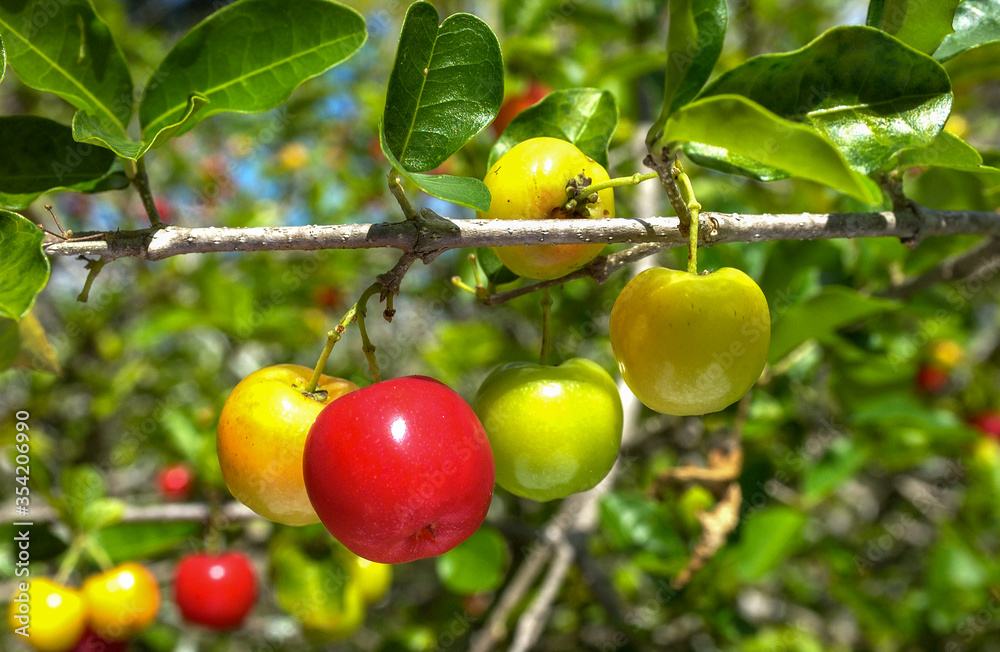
[195, 512]
[968, 263]
[426, 241]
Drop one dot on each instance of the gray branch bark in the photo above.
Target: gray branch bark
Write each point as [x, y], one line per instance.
[428, 238]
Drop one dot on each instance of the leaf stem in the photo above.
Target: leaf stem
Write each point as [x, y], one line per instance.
[98, 553]
[543, 357]
[355, 313]
[140, 180]
[396, 188]
[94, 268]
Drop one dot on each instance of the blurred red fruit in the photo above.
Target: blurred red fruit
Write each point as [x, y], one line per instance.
[175, 481]
[988, 423]
[931, 380]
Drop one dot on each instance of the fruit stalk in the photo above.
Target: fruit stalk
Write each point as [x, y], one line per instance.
[356, 312]
[694, 208]
[617, 182]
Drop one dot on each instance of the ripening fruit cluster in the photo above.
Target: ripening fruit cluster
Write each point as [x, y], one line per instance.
[405, 468]
[110, 609]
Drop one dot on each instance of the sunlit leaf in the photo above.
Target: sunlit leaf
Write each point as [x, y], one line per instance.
[246, 57]
[697, 29]
[24, 268]
[66, 49]
[867, 92]
[977, 22]
[921, 25]
[446, 86]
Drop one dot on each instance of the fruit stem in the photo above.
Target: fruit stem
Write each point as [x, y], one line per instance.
[98, 553]
[366, 343]
[687, 194]
[71, 559]
[633, 180]
[332, 337]
[543, 357]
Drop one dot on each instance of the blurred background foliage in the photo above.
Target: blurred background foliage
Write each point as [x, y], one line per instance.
[870, 515]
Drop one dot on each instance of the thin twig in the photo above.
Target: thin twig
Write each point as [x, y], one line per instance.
[439, 234]
[984, 256]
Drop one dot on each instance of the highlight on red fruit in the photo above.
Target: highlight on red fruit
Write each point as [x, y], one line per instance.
[175, 481]
[399, 470]
[217, 591]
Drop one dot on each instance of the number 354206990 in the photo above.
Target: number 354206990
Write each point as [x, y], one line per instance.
[23, 461]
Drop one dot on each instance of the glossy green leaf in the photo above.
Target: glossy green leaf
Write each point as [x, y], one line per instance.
[586, 117]
[767, 540]
[3, 60]
[697, 29]
[745, 129]
[977, 22]
[921, 25]
[867, 92]
[247, 57]
[833, 308]
[88, 129]
[723, 160]
[464, 191]
[65, 48]
[42, 156]
[446, 86]
[947, 151]
[980, 65]
[476, 565]
[24, 268]
[496, 272]
[133, 541]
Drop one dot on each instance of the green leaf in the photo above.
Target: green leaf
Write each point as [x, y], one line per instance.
[696, 32]
[946, 151]
[833, 308]
[67, 49]
[841, 462]
[496, 272]
[977, 22]
[88, 129]
[767, 540]
[464, 191]
[746, 130]
[980, 65]
[24, 268]
[867, 92]
[313, 588]
[42, 156]
[3, 60]
[586, 117]
[81, 486]
[921, 25]
[476, 565]
[133, 541]
[247, 57]
[35, 352]
[630, 520]
[446, 86]
[101, 513]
